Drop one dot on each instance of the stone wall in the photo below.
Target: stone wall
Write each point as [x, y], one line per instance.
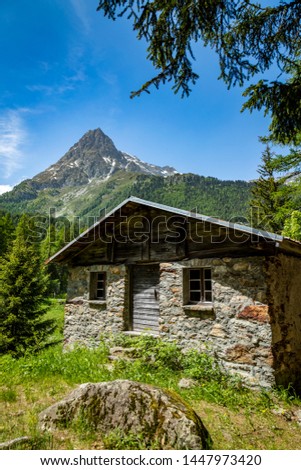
[253, 325]
[235, 328]
[86, 319]
[284, 280]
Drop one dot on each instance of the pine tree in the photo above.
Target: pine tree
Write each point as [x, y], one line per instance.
[23, 284]
[265, 202]
[276, 195]
[53, 242]
[7, 233]
[292, 226]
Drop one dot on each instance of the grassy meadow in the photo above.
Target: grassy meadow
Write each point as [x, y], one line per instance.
[236, 417]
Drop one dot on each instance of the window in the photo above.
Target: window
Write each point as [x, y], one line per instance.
[197, 285]
[98, 286]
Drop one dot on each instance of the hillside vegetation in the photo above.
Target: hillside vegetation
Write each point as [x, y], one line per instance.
[210, 196]
[207, 195]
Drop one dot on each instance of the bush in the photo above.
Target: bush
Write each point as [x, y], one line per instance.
[158, 353]
[200, 366]
[161, 354]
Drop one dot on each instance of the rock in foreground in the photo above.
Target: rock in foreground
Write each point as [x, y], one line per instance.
[130, 407]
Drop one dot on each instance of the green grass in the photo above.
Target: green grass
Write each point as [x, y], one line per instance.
[56, 313]
[236, 417]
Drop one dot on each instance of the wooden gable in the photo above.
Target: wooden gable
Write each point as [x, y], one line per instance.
[139, 231]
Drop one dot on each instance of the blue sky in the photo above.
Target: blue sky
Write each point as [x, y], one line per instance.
[66, 69]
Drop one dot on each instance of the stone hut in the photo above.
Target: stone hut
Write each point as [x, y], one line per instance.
[209, 284]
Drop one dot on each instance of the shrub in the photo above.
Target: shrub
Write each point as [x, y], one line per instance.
[201, 366]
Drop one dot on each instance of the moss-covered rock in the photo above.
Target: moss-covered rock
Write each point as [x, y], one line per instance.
[130, 407]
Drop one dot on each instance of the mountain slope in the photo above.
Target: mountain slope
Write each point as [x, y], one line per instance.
[206, 195]
[93, 175]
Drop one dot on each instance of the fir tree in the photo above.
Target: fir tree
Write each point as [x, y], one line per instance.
[7, 233]
[23, 284]
[53, 242]
[292, 226]
[276, 195]
[265, 202]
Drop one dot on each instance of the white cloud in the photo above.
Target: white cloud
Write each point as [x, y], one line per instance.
[51, 90]
[12, 136]
[4, 188]
[67, 83]
[80, 9]
[79, 76]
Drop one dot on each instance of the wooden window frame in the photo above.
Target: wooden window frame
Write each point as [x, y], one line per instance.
[197, 286]
[97, 286]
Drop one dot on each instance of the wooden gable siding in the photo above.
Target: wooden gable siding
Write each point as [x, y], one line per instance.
[149, 239]
[153, 236]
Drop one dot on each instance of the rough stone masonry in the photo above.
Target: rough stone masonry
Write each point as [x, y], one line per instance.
[252, 325]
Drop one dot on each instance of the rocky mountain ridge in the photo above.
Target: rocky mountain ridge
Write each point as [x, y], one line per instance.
[94, 156]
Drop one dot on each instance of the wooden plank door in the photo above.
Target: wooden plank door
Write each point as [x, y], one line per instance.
[145, 301]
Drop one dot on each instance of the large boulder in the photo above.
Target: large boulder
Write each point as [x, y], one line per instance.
[130, 407]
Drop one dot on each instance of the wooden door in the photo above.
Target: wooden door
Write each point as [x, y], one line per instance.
[145, 300]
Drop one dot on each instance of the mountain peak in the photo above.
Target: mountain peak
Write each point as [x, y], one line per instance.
[94, 156]
[95, 139]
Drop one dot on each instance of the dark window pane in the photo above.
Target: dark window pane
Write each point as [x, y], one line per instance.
[195, 274]
[195, 296]
[195, 285]
[208, 296]
[208, 285]
[207, 273]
